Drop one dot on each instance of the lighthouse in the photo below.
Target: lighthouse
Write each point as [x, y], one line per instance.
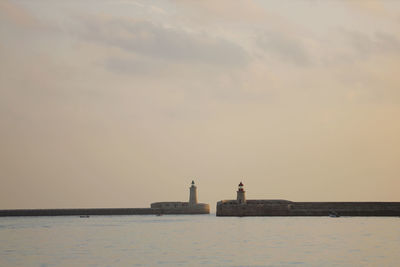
[193, 194]
[241, 198]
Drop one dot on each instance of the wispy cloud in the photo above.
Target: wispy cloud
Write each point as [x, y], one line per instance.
[17, 14]
[163, 43]
[284, 47]
[362, 45]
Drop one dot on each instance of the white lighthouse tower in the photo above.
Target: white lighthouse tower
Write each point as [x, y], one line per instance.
[241, 197]
[193, 194]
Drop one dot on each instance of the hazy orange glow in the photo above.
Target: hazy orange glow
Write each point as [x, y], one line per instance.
[124, 103]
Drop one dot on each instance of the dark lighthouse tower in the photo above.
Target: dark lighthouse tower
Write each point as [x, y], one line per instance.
[241, 197]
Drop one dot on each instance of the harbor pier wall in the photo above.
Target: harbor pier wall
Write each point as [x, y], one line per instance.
[109, 211]
[288, 208]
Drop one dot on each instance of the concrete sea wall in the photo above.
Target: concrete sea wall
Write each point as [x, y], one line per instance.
[67, 212]
[111, 211]
[288, 208]
[184, 206]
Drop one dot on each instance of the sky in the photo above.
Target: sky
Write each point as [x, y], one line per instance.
[119, 103]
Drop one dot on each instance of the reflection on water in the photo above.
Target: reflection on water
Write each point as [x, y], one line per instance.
[199, 240]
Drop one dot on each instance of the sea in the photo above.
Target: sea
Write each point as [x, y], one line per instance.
[199, 240]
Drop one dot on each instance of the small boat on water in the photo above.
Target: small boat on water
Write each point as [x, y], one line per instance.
[84, 216]
[333, 214]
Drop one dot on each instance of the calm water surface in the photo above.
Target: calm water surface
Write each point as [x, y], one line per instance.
[199, 240]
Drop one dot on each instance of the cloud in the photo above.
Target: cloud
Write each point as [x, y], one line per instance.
[387, 41]
[164, 43]
[243, 10]
[132, 65]
[339, 47]
[373, 7]
[284, 47]
[363, 45]
[17, 14]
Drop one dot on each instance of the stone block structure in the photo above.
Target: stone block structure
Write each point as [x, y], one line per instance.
[157, 208]
[243, 207]
[191, 207]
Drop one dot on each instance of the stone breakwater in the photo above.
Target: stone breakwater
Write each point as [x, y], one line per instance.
[289, 208]
[156, 208]
[110, 211]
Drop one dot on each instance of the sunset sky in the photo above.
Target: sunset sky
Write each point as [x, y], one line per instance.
[107, 103]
